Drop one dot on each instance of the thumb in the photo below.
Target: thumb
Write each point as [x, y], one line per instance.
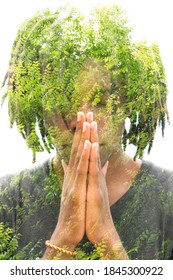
[64, 165]
[104, 168]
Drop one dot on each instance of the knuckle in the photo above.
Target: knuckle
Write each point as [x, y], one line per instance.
[94, 171]
[80, 171]
[77, 161]
[73, 153]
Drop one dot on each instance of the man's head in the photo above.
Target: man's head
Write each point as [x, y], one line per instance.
[62, 63]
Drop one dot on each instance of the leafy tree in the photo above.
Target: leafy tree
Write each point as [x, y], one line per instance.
[8, 242]
[47, 57]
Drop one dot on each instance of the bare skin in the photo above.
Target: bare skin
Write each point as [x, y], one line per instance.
[87, 193]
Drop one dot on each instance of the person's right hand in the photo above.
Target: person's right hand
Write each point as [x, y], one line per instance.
[70, 228]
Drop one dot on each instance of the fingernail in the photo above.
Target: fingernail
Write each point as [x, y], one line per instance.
[79, 115]
[90, 115]
[86, 144]
[95, 145]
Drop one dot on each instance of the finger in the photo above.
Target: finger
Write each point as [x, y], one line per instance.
[89, 117]
[105, 168]
[85, 136]
[93, 163]
[82, 169]
[64, 165]
[76, 138]
[94, 134]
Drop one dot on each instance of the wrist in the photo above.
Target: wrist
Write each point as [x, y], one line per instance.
[61, 240]
[111, 248]
[63, 243]
[59, 248]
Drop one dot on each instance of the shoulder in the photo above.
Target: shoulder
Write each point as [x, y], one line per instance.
[26, 176]
[162, 176]
[157, 184]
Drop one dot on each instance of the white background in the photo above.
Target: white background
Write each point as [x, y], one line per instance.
[150, 19]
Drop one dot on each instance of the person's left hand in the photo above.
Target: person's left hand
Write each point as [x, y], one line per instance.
[99, 223]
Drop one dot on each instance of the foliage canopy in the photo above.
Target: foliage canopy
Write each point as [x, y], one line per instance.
[48, 55]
